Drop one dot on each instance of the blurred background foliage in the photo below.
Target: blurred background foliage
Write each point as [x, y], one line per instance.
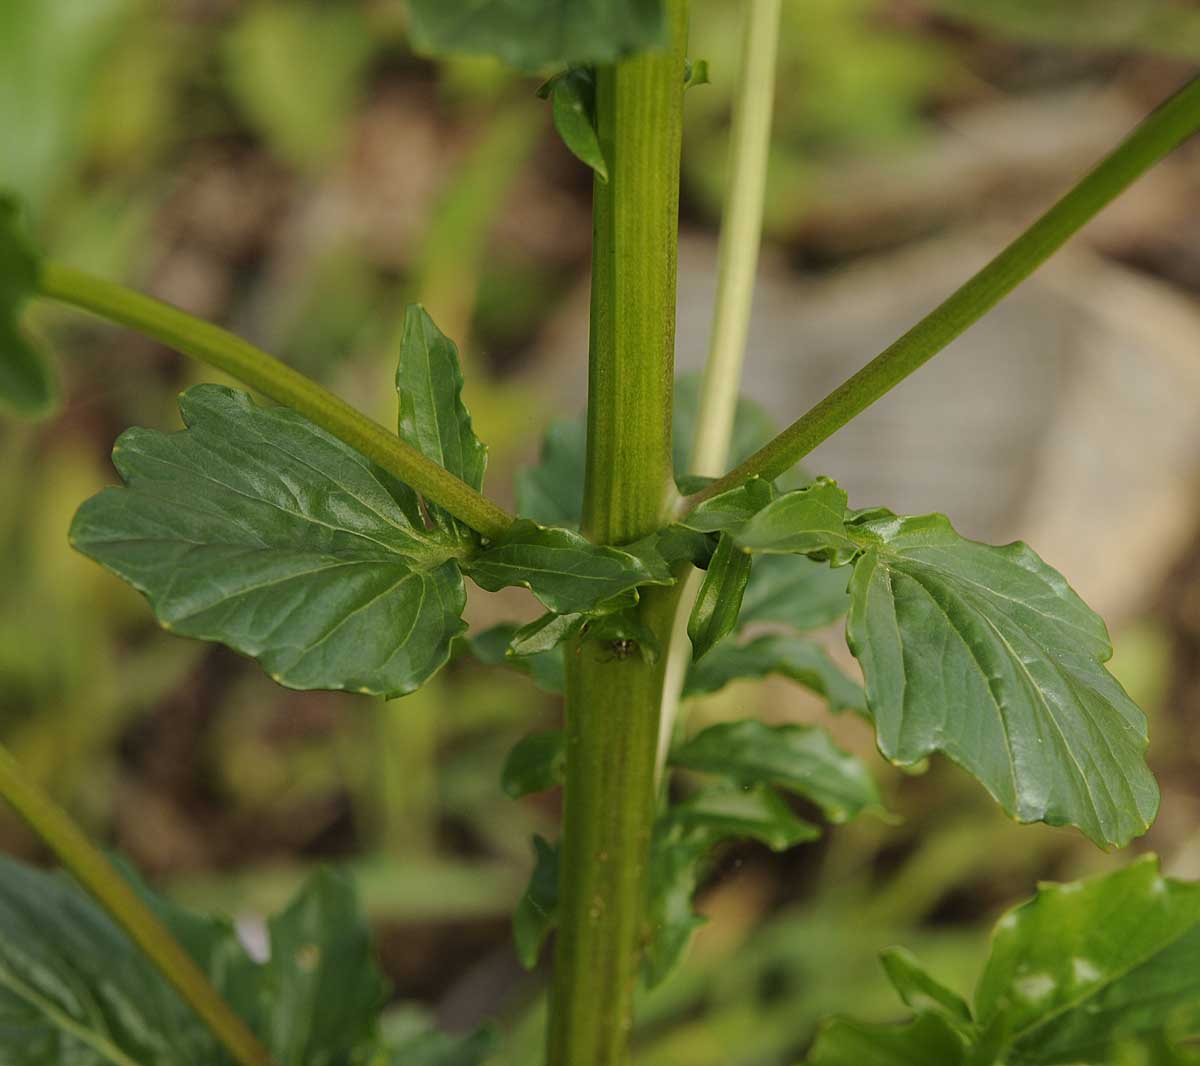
[294, 171]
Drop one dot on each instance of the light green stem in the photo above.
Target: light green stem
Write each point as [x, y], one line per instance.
[1159, 134]
[96, 874]
[737, 268]
[218, 348]
[613, 696]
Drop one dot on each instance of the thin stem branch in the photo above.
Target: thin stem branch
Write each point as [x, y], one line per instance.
[1159, 134]
[113, 893]
[218, 348]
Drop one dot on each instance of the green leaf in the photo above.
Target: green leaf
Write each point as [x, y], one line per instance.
[538, 763]
[696, 73]
[811, 520]
[257, 529]
[795, 591]
[537, 911]
[568, 573]
[552, 491]
[74, 989]
[715, 612]
[433, 1048]
[731, 510]
[433, 418]
[752, 811]
[921, 991]
[1088, 965]
[802, 759]
[28, 384]
[544, 634]
[529, 34]
[683, 838]
[803, 661]
[925, 1041]
[573, 101]
[987, 655]
[547, 669]
[325, 989]
[752, 425]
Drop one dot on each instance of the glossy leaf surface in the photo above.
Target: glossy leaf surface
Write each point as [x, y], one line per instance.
[529, 34]
[257, 529]
[27, 382]
[566, 572]
[718, 603]
[572, 101]
[433, 417]
[800, 660]
[987, 655]
[802, 759]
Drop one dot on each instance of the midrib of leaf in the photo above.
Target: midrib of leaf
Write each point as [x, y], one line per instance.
[1084, 996]
[65, 1022]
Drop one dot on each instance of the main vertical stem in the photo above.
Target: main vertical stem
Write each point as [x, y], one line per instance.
[613, 699]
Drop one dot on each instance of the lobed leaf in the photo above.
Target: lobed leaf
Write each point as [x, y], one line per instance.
[718, 603]
[802, 759]
[754, 811]
[809, 521]
[529, 34]
[433, 418]
[566, 572]
[800, 660]
[28, 383]
[257, 529]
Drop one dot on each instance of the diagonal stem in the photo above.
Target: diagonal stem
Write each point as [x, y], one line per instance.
[1163, 131]
[97, 875]
[229, 353]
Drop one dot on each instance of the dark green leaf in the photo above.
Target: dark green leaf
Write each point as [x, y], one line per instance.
[529, 34]
[683, 838]
[715, 612]
[326, 990]
[752, 811]
[811, 520]
[926, 1041]
[572, 99]
[544, 634]
[795, 591]
[537, 911]
[803, 661]
[922, 992]
[546, 668]
[433, 418]
[552, 491]
[799, 758]
[568, 573]
[74, 989]
[1085, 966]
[257, 529]
[987, 655]
[27, 382]
[536, 764]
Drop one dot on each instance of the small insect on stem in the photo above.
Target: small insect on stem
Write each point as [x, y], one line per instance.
[620, 649]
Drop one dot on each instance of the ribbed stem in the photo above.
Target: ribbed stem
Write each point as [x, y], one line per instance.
[613, 695]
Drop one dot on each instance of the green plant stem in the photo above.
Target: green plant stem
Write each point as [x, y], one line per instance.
[613, 700]
[115, 895]
[241, 360]
[737, 268]
[1159, 134]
